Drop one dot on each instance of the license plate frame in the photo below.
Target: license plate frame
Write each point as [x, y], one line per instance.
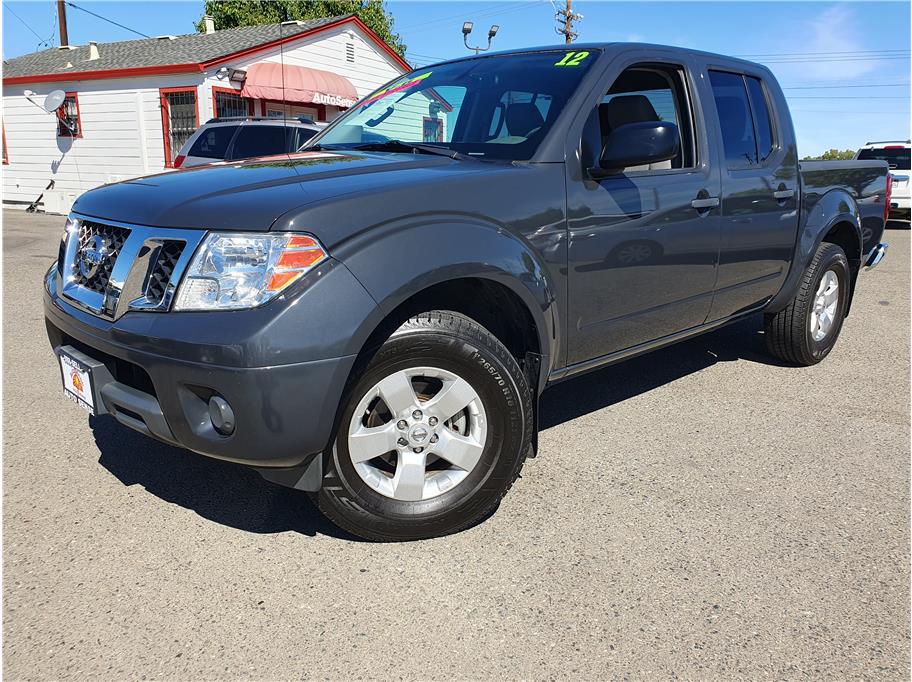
[78, 382]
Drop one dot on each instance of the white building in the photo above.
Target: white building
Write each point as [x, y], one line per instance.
[131, 105]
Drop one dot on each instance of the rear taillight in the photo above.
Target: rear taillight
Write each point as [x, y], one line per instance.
[888, 196]
[179, 161]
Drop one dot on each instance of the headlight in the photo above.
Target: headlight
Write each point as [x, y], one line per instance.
[231, 271]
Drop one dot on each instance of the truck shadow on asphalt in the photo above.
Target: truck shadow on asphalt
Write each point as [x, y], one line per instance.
[237, 497]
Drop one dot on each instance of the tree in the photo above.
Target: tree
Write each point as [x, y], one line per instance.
[832, 155]
[234, 13]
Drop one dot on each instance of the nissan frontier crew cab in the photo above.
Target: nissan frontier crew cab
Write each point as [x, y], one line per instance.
[373, 319]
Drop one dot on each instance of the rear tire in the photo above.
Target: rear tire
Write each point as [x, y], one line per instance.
[389, 474]
[805, 331]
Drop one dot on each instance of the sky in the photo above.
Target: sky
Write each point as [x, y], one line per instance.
[843, 66]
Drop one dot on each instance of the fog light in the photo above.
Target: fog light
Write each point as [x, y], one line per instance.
[221, 415]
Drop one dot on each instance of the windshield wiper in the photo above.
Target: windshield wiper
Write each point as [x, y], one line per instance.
[413, 148]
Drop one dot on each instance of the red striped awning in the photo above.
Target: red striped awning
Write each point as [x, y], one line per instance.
[269, 80]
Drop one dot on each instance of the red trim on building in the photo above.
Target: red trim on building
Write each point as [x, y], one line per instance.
[188, 68]
[107, 73]
[166, 117]
[60, 117]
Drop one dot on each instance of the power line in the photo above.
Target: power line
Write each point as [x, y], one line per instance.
[836, 87]
[489, 12]
[24, 22]
[847, 97]
[837, 111]
[805, 54]
[110, 21]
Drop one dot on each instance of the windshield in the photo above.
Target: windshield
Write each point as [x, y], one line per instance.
[897, 157]
[499, 107]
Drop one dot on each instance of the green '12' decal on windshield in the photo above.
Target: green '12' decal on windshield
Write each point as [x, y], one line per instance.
[572, 59]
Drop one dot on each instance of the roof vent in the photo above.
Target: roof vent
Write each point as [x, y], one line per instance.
[293, 22]
[349, 52]
[93, 50]
[209, 24]
[166, 37]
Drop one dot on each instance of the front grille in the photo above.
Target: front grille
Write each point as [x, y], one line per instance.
[168, 255]
[112, 239]
[148, 261]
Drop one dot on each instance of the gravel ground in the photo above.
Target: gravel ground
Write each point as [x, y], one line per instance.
[699, 512]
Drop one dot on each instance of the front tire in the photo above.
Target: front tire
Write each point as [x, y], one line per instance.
[805, 331]
[433, 434]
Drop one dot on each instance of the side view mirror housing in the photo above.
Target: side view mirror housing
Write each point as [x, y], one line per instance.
[637, 144]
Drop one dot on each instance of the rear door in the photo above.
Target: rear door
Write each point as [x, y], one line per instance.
[642, 253]
[760, 191]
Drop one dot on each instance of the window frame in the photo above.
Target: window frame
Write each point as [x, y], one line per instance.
[165, 107]
[687, 86]
[60, 117]
[774, 137]
[438, 122]
[251, 105]
[771, 111]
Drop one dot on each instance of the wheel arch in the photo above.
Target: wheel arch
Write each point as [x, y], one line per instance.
[834, 219]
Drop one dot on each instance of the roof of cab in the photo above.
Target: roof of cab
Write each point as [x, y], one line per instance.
[610, 47]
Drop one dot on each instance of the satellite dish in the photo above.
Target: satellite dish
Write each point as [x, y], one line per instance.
[53, 100]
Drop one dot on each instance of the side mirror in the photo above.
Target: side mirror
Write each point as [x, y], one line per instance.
[638, 144]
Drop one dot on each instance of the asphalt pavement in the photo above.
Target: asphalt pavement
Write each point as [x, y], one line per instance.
[701, 512]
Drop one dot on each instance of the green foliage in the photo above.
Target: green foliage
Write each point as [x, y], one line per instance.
[234, 13]
[833, 155]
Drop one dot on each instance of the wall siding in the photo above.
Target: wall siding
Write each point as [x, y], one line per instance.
[121, 118]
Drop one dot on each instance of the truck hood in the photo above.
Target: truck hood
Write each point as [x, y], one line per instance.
[250, 195]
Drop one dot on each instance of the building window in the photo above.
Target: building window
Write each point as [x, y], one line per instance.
[227, 103]
[433, 130]
[180, 118]
[350, 52]
[68, 122]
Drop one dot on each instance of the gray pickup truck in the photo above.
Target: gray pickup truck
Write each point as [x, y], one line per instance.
[373, 320]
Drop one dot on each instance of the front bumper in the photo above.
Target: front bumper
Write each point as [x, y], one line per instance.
[158, 371]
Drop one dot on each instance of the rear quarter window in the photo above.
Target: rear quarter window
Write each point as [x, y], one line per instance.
[213, 142]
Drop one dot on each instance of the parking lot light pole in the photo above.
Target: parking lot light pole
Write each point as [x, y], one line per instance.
[467, 29]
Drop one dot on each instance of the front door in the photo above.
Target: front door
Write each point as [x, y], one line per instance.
[643, 243]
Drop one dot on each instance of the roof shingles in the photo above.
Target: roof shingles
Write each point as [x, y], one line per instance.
[194, 48]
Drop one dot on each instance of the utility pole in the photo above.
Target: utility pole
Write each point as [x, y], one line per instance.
[61, 18]
[567, 17]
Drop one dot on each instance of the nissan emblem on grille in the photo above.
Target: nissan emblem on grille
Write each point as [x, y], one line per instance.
[92, 255]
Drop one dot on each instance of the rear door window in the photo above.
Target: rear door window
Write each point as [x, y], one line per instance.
[762, 118]
[735, 121]
[213, 142]
[259, 140]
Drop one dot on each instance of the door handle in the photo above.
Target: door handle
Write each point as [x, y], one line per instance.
[704, 203]
[783, 194]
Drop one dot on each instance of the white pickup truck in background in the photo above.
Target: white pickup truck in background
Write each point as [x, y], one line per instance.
[897, 154]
